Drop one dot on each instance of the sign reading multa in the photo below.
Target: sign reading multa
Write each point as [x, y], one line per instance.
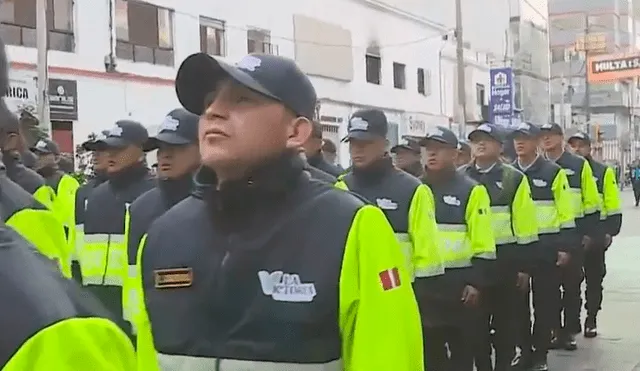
[615, 65]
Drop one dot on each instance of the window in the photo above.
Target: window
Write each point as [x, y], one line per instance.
[399, 77]
[144, 33]
[480, 92]
[421, 89]
[18, 23]
[373, 68]
[212, 40]
[557, 55]
[259, 41]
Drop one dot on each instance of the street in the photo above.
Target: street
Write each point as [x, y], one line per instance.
[617, 347]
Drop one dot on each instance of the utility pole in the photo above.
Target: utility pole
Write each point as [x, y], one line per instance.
[43, 64]
[462, 97]
[587, 86]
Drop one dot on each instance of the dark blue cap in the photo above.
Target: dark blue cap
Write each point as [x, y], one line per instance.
[367, 125]
[580, 136]
[493, 131]
[527, 129]
[442, 135]
[125, 133]
[553, 128]
[273, 76]
[179, 127]
[45, 147]
[409, 143]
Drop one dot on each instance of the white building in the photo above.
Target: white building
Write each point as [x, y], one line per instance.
[359, 53]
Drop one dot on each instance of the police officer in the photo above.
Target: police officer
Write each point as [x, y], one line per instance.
[407, 156]
[99, 175]
[586, 203]
[464, 154]
[314, 172]
[76, 335]
[12, 144]
[103, 256]
[178, 159]
[556, 230]
[29, 159]
[64, 185]
[468, 247]
[514, 233]
[610, 222]
[313, 151]
[282, 272]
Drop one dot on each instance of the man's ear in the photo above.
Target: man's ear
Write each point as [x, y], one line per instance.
[299, 132]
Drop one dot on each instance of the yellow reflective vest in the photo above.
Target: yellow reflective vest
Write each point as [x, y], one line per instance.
[611, 213]
[48, 323]
[319, 239]
[410, 209]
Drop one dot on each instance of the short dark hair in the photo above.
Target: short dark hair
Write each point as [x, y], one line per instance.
[316, 130]
[329, 147]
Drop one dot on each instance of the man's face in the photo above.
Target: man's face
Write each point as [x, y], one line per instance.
[365, 152]
[405, 157]
[484, 146]
[240, 128]
[437, 155]
[45, 159]
[121, 158]
[100, 160]
[550, 140]
[176, 161]
[525, 145]
[580, 147]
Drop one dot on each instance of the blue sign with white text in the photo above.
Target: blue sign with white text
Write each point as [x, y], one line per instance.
[501, 96]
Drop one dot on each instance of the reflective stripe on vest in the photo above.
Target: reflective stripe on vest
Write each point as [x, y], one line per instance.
[456, 251]
[576, 202]
[179, 363]
[407, 250]
[501, 224]
[103, 259]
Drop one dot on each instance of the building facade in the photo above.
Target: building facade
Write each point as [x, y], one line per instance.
[114, 59]
[610, 28]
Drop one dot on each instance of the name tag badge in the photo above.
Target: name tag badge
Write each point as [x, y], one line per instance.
[173, 278]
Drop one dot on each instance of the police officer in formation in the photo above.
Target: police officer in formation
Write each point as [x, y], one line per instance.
[48, 322]
[313, 171]
[313, 152]
[64, 186]
[586, 204]
[462, 211]
[556, 232]
[595, 267]
[511, 210]
[98, 176]
[178, 159]
[255, 256]
[103, 255]
[407, 156]
[464, 153]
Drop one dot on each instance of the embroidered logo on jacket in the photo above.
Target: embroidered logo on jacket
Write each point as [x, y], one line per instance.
[286, 287]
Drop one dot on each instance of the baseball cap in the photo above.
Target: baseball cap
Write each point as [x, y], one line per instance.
[124, 133]
[367, 125]
[409, 143]
[273, 76]
[580, 136]
[527, 129]
[553, 128]
[45, 147]
[442, 135]
[179, 127]
[491, 130]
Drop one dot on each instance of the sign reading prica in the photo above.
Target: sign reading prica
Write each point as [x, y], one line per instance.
[608, 68]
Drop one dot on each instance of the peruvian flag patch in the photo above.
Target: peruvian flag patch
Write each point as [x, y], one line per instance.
[389, 279]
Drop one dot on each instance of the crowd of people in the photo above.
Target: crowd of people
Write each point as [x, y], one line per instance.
[250, 249]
